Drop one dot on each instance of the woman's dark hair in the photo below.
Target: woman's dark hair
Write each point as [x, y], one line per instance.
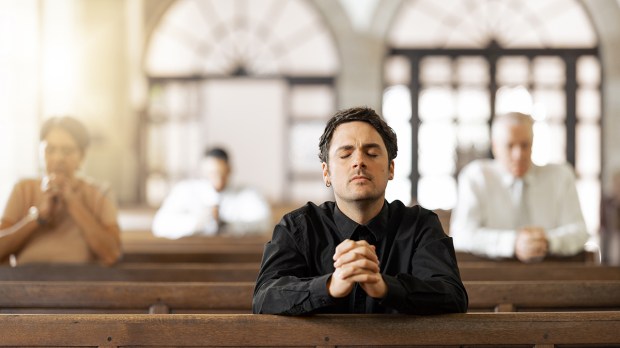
[363, 114]
[69, 124]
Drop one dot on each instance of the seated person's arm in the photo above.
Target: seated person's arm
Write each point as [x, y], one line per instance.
[182, 215]
[17, 225]
[570, 235]
[100, 227]
[246, 212]
[285, 285]
[434, 286]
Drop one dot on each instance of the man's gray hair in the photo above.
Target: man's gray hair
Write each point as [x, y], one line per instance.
[511, 118]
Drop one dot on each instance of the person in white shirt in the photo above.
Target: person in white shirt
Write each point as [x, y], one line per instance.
[508, 207]
[211, 206]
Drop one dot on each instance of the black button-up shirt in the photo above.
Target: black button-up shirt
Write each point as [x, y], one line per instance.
[417, 263]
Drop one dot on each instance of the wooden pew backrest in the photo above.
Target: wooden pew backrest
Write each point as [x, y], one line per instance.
[136, 272]
[480, 329]
[236, 297]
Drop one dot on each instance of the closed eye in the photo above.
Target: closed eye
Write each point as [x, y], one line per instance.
[344, 154]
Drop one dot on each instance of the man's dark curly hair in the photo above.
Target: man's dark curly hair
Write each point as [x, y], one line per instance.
[363, 114]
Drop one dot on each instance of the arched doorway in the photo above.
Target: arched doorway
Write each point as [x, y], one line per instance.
[254, 76]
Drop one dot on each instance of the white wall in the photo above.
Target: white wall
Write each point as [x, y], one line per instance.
[255, 140]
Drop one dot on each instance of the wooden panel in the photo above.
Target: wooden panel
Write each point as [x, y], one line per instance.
[557, 271]
[152, 272]
[193, 253]
[117, 296]
[235, 297]
[211, 256]
[247, 272]
[541, 295]
[145, 240]
[584, 257]
[492, 329]
[144, 247]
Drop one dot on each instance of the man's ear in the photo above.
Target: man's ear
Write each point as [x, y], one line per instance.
[391, 169]
[325, 169]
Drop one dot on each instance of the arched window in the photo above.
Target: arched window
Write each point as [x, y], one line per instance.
[254, 76]
[453, 65]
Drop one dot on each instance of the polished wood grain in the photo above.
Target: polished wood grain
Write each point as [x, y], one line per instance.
[245, 272]
[472, 329]
[236, 297]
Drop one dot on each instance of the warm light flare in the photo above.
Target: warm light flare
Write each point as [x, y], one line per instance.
[60, 63]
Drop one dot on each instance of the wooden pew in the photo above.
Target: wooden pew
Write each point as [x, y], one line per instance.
[124, 297]
[550, 271]
[540, 330]
[511, 296]
[236, 297]
[247, 272]
[196, 253]
[203, 251]
[137, 272]
[143, 247]
[585, 257]
[146, 237]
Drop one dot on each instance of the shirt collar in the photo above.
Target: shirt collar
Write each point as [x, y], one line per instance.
[377, 225]
[508, 179]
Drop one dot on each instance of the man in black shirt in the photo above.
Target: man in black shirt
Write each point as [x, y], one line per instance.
[359, 254]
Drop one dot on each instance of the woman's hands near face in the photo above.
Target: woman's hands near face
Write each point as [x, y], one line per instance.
[58, 191]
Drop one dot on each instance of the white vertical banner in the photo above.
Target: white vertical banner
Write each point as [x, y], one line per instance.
[247, 117]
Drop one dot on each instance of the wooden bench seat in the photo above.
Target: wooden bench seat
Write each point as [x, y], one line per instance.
[510, 296]
[203, 251]
[212, 330]
[247, 272]
[209, 253]
[236, 297]
[147, 237]
[139, 272]
[550, 271]
[124, 297]
[585, 257]
[144, 247]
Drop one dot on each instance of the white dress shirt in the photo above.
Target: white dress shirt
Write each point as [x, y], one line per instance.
[487, 215]
[188, 210]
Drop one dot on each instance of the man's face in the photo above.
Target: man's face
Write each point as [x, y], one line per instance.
[216, 171]
[61, 153]
[512, 147]
[358, 167]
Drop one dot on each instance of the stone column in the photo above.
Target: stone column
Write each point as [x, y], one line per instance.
[103, 98]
